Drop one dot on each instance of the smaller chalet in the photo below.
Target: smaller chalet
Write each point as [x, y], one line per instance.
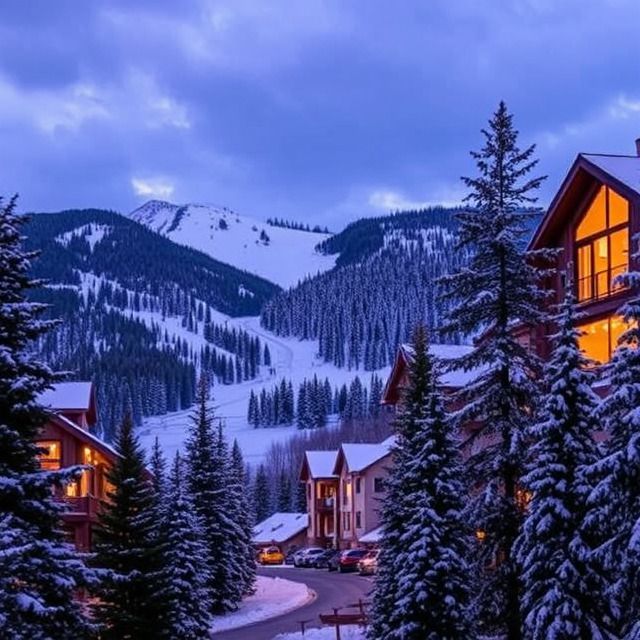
[322, 497]
[361, 470]
[285, 530]
[66, 440]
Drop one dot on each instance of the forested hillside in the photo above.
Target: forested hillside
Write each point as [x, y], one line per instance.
[140, 314]
[385, 284]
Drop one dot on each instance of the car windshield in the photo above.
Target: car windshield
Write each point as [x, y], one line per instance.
[314, 551]
[273, 550]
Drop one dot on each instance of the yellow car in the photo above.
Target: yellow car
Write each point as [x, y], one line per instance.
[271, 555]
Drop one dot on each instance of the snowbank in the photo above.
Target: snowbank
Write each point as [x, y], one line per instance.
[273, 597]
[326, 633]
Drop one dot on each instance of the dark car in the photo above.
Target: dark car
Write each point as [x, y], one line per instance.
[349, 560]
[332, 563]
[322, 561]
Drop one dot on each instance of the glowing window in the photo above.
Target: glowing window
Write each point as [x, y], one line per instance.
[50, 457]
[599, 339]
[602, 245]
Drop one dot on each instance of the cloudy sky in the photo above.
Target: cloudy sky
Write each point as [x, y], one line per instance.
[314, 110]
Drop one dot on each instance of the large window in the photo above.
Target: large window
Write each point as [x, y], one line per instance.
[49, 456]
[599, 339]
[602, 240]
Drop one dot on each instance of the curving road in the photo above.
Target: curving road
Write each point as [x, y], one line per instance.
[332, 590]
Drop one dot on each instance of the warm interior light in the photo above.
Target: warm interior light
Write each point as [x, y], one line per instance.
[72, 489]
[481, 535]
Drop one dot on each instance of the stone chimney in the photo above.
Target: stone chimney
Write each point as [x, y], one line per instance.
[638, 146]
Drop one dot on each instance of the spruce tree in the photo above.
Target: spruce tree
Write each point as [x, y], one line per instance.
[613, 518]
[557, 584]
[422, 588]
[184, 573]
[495, 291]
[126, 545]
[39, 571]
[262, 495]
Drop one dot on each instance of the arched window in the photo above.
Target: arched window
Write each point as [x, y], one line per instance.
[602, 241]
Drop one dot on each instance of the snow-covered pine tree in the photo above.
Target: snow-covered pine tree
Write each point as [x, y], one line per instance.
[497, 289]
[262, 499]
[206, 485]
[185, 574]
[557, 585]
[244, 519]
[422, 590]
[284, 491]
[613, 519]
[126, 545]
[39, 571]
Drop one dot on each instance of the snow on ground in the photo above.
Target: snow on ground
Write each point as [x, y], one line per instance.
[273, 597]
[287, 256]
[292, 359]
[326, 633]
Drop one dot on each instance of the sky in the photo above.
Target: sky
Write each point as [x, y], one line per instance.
[319, 111]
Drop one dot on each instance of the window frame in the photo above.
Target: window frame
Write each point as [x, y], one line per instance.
[42, 444]
[591, 240]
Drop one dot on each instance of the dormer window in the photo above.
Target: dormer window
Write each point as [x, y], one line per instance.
[602, 242]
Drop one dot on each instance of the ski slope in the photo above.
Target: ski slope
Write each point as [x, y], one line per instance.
[292, 359]
[283, 256]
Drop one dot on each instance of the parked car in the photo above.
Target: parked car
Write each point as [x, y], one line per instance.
[271, 555]
[323, 559]
[332, 563]
[306, 557]
[288, 559]
[369, 564]
[349, 559]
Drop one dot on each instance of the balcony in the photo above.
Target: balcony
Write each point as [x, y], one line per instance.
[86, 506]
[325, 504]
[600, 285]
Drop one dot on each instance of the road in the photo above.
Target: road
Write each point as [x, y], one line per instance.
[332, 590]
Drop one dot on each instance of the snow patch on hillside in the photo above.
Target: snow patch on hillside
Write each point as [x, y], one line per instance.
[283, 256]
[291, 358]
[92, 233]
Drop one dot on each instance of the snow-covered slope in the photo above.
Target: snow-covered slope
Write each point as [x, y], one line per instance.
[283, 256]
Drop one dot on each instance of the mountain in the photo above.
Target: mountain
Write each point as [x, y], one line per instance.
[280, 254]
[140, 315]
[386, 282]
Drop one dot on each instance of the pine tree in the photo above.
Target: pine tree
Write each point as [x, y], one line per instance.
[557, 586]
[613, 519]
[39, 572]
[206, 484]
[495, 291]
[422, 588]
[126, 547]
[244, 519]
[184, 574]
[284, 492]
[262, 495]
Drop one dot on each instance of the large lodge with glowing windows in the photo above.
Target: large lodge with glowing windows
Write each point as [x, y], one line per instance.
[66, 440]
[593, 219]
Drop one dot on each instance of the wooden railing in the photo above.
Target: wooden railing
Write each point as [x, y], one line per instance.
[86, 505]
[325, 504]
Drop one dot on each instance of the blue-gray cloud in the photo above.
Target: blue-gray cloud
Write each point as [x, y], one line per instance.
[317, 110]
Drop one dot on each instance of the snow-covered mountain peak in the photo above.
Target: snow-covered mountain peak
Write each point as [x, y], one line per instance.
[279, 254]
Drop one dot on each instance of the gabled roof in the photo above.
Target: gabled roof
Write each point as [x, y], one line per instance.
[372, 537]
[280, 527]
[71, 397]
[588, 170]
[448, 380]
[84, 436]
[318, 465]
[358, 457]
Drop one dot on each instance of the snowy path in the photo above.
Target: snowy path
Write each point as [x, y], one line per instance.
[274, 596]
[332, 590]
[292, 359]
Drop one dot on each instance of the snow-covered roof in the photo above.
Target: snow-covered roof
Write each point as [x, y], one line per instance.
[87, 436]
[321, 463]
[372, 537]
[360, 456]
[455, 378]
[67, 396]
[625, 169]
[280, 527]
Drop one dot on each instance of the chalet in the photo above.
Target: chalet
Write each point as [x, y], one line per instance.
[66, 440]
[288, 531]
[592, 220]
[361, 470]
[322, 492]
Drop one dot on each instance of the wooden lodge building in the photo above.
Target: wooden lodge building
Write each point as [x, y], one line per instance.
[67, 441]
